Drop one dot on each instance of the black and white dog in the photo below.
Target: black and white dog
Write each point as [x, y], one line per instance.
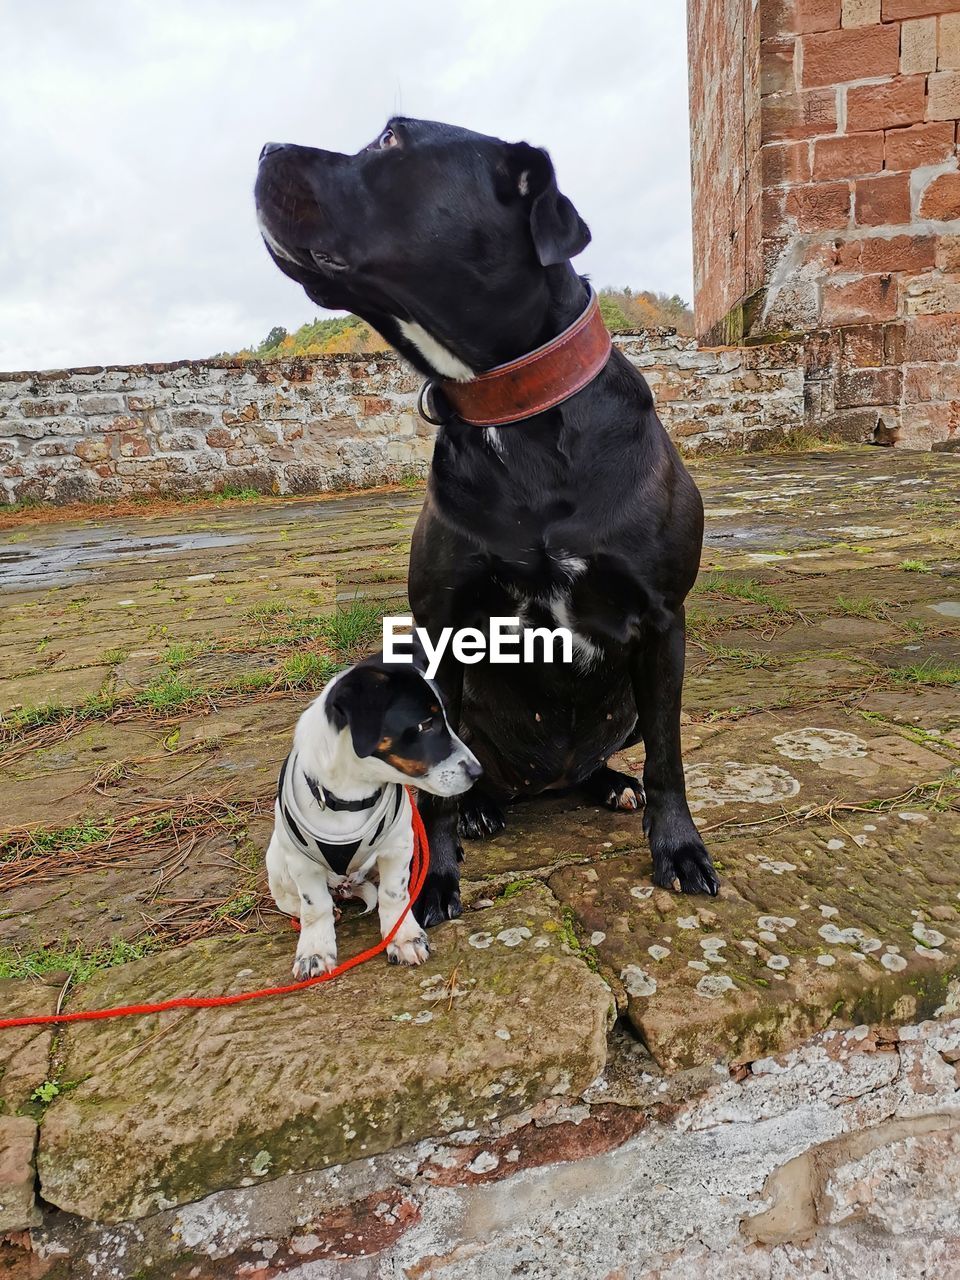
[456, 246]
[342, 818]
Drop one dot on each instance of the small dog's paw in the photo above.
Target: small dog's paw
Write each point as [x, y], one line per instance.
[311, 966]
[687, 869]
[413, 950]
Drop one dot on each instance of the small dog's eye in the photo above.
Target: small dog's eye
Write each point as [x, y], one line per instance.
[424, 725]
[387, 139]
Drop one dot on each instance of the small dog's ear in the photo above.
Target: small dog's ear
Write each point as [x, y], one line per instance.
[558, 231]
[358, 701]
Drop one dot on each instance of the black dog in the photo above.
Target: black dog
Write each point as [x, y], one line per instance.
[456, 246]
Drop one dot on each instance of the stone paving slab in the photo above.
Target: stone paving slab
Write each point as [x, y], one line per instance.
[171, 1106]
[24, 1066]
[26, 1050]
[802, 933]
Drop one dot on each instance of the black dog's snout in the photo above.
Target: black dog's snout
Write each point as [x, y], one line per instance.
[473, 769]
[270, 147]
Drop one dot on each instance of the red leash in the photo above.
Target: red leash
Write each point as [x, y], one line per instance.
[418, 873]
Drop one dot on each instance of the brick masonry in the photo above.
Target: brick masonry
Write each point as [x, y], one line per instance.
[826, 186]
[338, 421]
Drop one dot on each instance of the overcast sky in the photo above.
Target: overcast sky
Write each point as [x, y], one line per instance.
[131, 133]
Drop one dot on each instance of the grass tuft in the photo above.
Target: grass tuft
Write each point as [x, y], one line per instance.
[355, 629]
[930, 672]
[747, 659]
[306, 670]
[795, 440]
[50, 840]
[168, 692]
[73, 960]
[179, 653]
[864, 607]
[233, 492]
[240, 904]
[721, 584]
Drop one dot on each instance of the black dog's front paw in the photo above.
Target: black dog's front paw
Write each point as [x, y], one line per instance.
[480, 816]
[687, 869]
[680, 858]
[439, 899]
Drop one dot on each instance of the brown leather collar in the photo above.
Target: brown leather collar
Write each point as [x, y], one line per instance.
[537, 381]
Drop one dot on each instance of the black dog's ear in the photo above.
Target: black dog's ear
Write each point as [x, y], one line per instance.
[558, 230]
[358, 701]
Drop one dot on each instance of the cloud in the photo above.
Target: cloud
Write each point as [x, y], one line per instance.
[127, 230]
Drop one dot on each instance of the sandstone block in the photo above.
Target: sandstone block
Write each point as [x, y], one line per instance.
[918, 45]
[883, 201]
[943, 97]
[301, 1082]
[18, 1206]
[855, 53]
[886, 106]
[918, 144]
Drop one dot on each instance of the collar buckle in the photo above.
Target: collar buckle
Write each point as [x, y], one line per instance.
[427, 404]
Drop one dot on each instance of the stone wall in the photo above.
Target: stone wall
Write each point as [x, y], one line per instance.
[826, 186]
[310, 425]
[723, 397]
[296, 426]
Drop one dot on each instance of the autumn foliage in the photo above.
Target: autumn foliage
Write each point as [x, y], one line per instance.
[621, 308]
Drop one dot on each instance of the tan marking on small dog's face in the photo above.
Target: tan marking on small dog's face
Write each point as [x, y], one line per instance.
[385, 745]
[412, 768]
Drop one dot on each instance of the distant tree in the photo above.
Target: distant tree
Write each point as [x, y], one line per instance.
[612, 312]
[273, 338]
[626, 308]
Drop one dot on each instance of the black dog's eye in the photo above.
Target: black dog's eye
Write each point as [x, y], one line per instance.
[387, 139]
[424, 725]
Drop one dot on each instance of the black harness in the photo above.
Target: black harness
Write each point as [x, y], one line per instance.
[336, 855]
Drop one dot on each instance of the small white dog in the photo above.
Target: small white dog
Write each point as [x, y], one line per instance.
[342, 818]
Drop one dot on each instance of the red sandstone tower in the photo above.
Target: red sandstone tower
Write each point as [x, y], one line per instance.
[826, 200]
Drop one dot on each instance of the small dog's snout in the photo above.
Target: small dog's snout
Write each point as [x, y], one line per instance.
[472, 768]
[270, 147]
